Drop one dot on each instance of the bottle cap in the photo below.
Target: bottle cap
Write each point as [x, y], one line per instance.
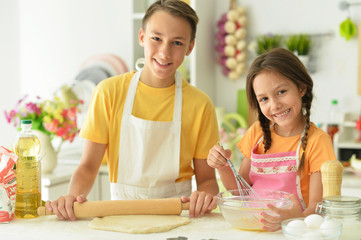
[26, 121]
[334, 102]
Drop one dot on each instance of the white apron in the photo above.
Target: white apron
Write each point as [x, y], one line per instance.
[149, 152]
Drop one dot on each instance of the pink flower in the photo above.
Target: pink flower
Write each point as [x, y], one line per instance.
[56, 122]
[64, 113]
[51, 127]
[61, 132]
[21, 100]
[12, 114]
[290, 168]
[33, 108]
[44, 115]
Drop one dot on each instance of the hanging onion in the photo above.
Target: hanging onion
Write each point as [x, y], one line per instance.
[231, 42]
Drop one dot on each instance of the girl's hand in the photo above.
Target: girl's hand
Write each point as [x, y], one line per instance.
[200, 203]
[63, 207]
[217, 156]
[273, 223]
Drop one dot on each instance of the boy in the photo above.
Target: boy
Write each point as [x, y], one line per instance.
[152, 125]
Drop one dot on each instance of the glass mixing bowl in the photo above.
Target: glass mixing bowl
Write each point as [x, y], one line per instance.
[242, 210]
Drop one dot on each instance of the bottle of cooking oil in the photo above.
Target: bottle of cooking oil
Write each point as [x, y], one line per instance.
[28, 172]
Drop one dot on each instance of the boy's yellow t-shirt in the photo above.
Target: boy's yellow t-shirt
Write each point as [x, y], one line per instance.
[103, 122]
[318, 150]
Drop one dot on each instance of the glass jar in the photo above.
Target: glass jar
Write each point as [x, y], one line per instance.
[346, 209]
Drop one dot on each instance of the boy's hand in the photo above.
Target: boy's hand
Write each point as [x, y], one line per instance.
[63, 207]
[200, 203]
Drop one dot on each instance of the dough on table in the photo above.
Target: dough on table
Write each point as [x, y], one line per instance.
[139, 223]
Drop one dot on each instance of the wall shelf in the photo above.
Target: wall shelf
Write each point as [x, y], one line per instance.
[345, 141]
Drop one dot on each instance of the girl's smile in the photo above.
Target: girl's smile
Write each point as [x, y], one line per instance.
[281, 115]
[280, 101]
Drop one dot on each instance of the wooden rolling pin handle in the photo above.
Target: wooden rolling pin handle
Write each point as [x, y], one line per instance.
[42, 211]
[90, 209]
[185, 206]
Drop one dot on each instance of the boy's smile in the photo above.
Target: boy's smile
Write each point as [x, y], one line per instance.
[166, 40]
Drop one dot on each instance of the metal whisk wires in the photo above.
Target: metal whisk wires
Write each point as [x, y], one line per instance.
[246, 192]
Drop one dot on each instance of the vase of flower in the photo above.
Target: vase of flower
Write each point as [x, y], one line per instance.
[52, 120]
[48, 155]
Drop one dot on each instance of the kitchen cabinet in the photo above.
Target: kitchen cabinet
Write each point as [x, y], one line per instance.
[55, 184]
[202, 59]
[104, 184]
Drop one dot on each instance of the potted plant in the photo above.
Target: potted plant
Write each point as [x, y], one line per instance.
[300, 44]
[267, 42]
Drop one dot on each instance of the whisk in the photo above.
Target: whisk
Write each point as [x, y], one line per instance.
[246, 192]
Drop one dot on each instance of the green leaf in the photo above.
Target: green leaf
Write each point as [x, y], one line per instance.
[268, 42]
[300, 43]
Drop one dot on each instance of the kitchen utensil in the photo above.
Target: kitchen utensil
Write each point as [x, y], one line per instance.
[329, 229]
[246, 192]
[344, 5]
[244, 212]
[331, 178]
[90, 209]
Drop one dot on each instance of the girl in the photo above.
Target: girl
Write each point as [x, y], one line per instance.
[155, 128]
[283, 150]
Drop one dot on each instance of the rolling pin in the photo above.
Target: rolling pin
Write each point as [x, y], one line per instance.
[331, 172]
[91, 209]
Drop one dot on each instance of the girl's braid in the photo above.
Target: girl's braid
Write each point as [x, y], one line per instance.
[265, 124]
[304, 139]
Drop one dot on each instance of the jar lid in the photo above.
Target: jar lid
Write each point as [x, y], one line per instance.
[342, 201]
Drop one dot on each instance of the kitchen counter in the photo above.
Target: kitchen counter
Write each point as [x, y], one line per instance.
[211, 226]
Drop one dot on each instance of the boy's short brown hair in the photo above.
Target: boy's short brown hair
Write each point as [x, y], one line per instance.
[176, 8]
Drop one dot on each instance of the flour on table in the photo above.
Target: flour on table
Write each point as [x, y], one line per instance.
[139, 223]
